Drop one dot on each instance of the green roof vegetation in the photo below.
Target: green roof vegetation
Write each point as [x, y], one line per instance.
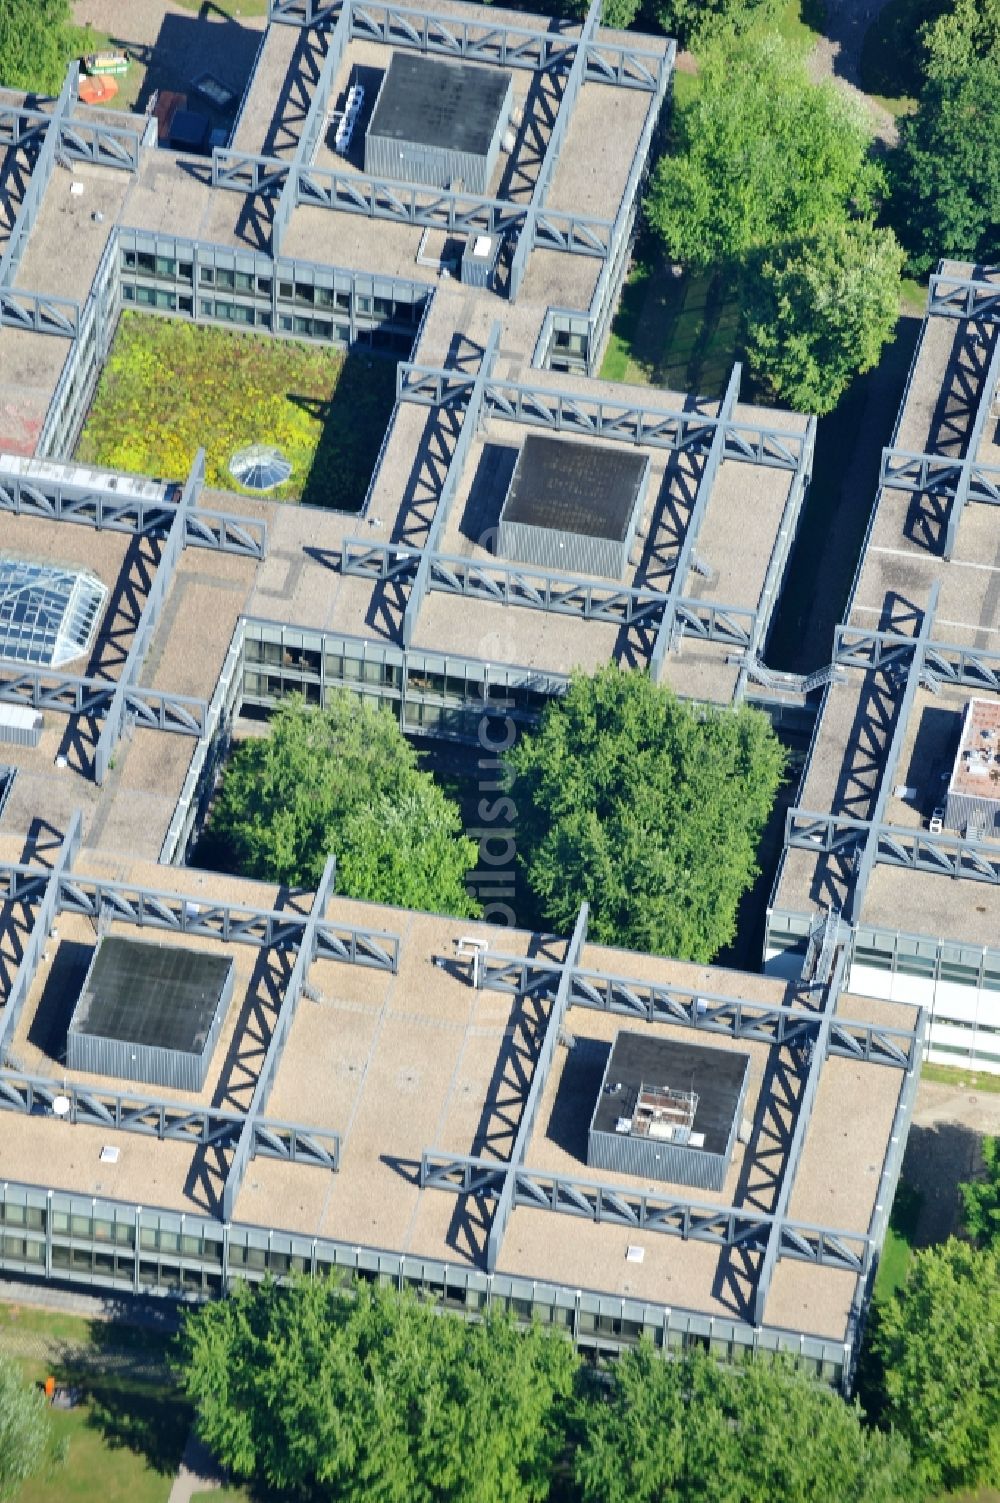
[169, 386]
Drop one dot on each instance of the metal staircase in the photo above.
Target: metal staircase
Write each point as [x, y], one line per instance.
[795, 683]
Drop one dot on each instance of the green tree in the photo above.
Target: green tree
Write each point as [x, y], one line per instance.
[946, 178]
[981, 1199]
[937, 1343]
[34, 44]
[343, 780]
[648, 808]
[25, 1432]
[376, 1398]
[691, 1431]
[967, 29]
[761, 155]
[695, 22]
[821, 310]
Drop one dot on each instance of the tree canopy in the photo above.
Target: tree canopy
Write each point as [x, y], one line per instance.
[25, 1432]
[761, 155]
[821, 310]
[691, 1431]
[34, 44]
[343, 780]
[946, 178]
[938, 1345]
[648, 808]
[981, 1199]
[376, 1398]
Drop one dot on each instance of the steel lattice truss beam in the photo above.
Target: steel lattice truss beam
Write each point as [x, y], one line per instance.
[39, 313]
[776, 1241]
[168, 1121]
[470, 424]
[142, 509]
[42, 170]
[66, 694]
[229, 923]
[173, 546]
[308, 949]
[960, 481]
[503, 44]
[543, 590]
[964, 297]
[673, 1216]
[41, 928]
[915, 674]
[894, 845]
[21, 126]
[671, 627]
[546, 1050]
[308, 936]
[944, 662]
[305, 149]
[670, 614]
[817, 1032]
[596, 417]
[122, 505]
[405, 203]
[60, 135]
[529, 236]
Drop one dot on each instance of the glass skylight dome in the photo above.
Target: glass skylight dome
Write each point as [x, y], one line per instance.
[260, 467]
[48, 615]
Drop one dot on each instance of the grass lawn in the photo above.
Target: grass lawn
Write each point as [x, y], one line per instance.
[84, 39]
[169, 386]
[898, 1247]
[124, 1442]
[677, 332]
[962, 1080]
[802, 21]
[123, 1445]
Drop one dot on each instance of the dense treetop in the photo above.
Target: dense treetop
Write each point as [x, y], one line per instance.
[647, 807]
[937, 1343]
[375, 1398]
[34, 43]
[820, 310]
[692, 1431]
[760, 155]
[343, 780]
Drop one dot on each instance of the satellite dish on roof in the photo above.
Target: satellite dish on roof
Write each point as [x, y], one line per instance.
[260, 467]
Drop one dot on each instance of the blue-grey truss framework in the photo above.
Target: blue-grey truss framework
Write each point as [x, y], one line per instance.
[248, 1134]
[817, 1032]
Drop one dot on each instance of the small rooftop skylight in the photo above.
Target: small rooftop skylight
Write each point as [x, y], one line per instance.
[48, 615]
[259, 467]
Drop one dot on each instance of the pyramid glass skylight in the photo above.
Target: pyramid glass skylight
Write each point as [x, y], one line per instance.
[48, 615]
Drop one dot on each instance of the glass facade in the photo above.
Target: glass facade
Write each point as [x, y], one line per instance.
[96, 1243]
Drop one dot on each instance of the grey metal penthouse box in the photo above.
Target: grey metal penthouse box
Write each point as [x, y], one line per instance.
[438, 123]
[150, 1012]
[668, 1111]
[573, 505]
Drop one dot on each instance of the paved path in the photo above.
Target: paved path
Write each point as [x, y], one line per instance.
[199, 1472]
[837, 55]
